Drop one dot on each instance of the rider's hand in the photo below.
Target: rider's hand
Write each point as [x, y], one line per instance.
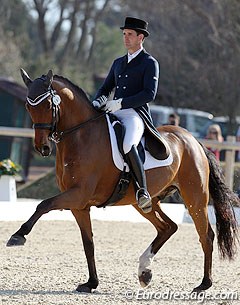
[113, 105]
[100, 102]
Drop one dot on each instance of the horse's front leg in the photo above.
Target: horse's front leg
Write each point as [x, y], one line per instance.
[66, 200]
[84, 222]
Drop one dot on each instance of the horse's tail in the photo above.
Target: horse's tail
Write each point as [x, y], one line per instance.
[223, 201]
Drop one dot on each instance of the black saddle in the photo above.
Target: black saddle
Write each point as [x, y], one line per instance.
[154, 143]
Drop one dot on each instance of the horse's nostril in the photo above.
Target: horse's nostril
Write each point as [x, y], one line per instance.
[45, 150]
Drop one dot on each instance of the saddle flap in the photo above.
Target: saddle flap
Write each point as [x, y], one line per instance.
[118, 157]
[156, 146]
[119, 130]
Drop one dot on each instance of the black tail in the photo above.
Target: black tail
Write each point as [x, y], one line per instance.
[223, 201]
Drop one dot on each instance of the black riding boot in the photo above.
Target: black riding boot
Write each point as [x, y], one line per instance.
[142, 195]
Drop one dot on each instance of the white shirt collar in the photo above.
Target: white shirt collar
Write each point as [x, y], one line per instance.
[135, 54]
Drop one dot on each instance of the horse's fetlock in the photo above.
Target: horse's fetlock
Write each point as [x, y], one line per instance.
[93, 283]
[24, 230]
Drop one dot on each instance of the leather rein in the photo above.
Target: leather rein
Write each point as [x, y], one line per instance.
[55, 135]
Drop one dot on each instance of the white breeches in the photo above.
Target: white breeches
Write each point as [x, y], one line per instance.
[134, 127]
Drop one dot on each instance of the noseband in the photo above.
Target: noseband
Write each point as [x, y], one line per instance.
[55, 135]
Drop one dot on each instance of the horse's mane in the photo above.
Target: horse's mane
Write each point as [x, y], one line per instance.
[77, 89]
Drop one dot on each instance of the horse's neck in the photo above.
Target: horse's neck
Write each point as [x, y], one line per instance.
[75, 110]
[84, 154]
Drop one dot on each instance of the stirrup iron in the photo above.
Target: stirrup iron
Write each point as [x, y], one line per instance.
[144, 200]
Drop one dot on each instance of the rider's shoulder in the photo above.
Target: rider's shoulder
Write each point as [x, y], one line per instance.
[149, 57]
[120, 59]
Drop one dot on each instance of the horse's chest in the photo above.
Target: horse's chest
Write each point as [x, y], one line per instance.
[68, 174]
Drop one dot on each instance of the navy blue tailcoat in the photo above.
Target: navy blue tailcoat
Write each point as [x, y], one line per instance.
[136, 83]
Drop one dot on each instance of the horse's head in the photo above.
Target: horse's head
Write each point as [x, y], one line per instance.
[42, 105]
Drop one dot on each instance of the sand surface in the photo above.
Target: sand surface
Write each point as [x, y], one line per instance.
[52, 263]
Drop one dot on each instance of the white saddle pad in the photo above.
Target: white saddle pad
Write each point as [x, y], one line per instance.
[149, 163]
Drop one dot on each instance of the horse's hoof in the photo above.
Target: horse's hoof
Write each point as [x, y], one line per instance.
[84, 288]
[16, 240]
[145, 278]
[203, 286]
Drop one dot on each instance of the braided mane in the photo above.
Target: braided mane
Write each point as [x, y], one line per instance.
[77, 89]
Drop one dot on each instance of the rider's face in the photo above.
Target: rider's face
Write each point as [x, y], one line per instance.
[132, 40]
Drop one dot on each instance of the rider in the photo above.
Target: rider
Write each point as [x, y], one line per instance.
[135, 79]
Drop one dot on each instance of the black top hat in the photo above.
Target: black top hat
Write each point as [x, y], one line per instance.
[136, 24]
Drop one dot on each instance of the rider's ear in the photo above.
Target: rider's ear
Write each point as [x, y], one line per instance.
[49, 78]
[27, 80]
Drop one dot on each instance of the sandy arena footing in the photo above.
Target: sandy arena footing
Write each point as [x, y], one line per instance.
[52, 263]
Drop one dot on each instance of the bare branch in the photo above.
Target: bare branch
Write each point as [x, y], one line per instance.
[41, 9]
[71, 34]
[205, 16]
[57, 29]
[89, 5]
[94, 30]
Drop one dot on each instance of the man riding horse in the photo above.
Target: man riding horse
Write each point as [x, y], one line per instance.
[135, 79]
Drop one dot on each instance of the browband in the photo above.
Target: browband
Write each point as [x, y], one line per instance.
[39, 99]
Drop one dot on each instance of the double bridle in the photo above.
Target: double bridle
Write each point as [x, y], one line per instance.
[55, 135]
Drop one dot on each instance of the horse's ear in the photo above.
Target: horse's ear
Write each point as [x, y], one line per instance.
[27, 80]
[49, 78]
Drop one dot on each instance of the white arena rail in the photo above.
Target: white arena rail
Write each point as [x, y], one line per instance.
[16, 132]
[231, 146]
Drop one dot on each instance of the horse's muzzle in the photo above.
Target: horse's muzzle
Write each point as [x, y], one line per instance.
[44, 150]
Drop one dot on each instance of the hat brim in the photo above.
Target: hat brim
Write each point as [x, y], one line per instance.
[144, 32]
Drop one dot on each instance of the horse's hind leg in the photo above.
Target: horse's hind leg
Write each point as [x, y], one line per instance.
[196, 203]
[165, 229]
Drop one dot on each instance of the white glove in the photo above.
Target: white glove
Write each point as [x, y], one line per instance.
[100, 102]
[113, 105]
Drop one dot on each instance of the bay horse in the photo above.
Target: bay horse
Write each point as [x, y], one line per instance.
[86, 175]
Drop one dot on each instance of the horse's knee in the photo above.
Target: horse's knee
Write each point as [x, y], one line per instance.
[45, 206]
